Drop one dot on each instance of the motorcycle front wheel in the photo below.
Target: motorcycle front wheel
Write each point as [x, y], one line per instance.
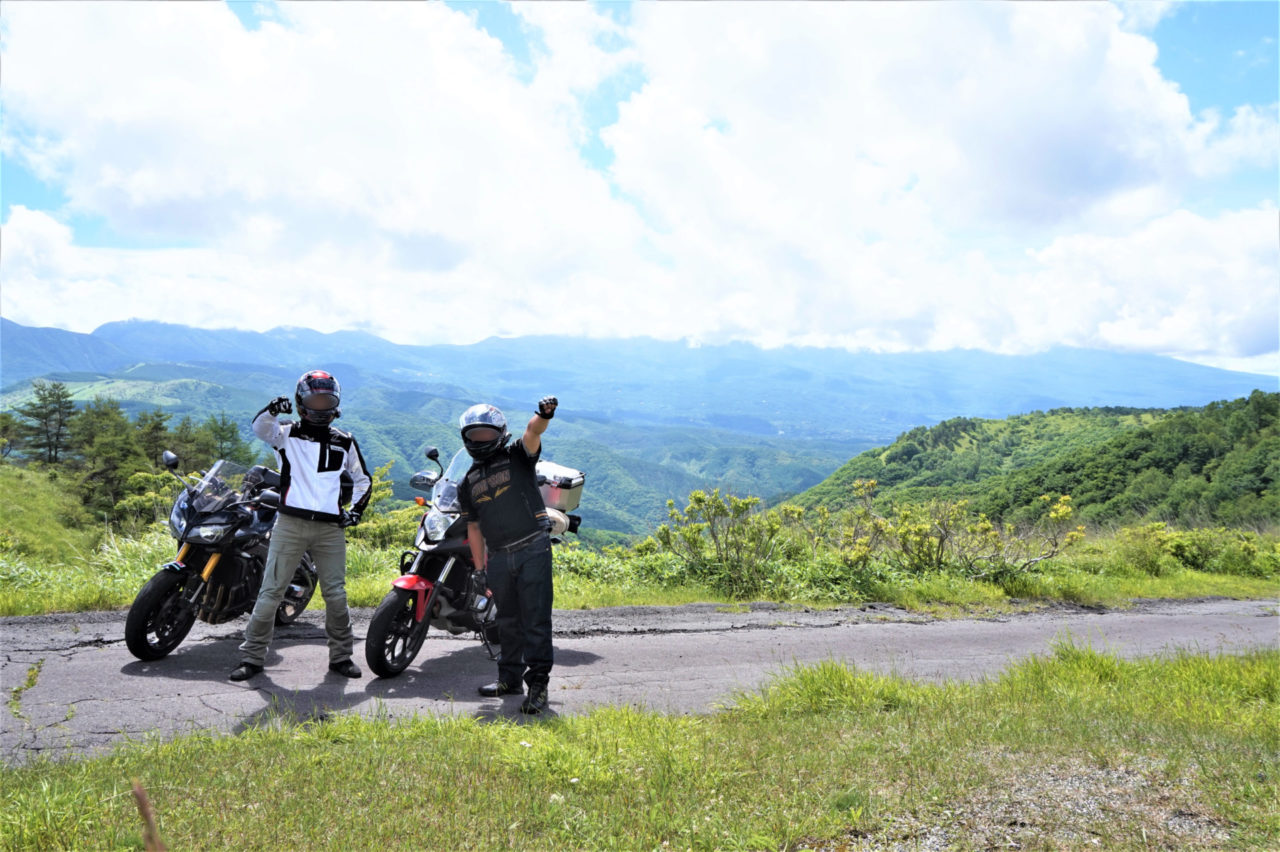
[298, 595]
[159, 619]
[394, 637]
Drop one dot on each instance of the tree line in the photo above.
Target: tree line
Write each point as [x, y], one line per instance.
[111, 461]
[1218, 464]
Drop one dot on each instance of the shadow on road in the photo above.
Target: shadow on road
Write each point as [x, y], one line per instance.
[447, 672]
[213, 658]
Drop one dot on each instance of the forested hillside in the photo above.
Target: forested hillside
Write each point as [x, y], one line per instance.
[99, 432]
[647, 420]
[1215, 464]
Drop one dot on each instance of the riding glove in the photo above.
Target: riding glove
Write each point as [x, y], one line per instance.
[280, 405]
[547, 407]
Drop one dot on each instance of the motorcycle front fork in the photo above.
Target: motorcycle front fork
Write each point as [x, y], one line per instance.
[179, 563]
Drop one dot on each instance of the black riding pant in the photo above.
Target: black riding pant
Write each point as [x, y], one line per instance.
[521, 584]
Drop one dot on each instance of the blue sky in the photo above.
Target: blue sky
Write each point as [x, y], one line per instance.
[1077, 174]
[1223, 55]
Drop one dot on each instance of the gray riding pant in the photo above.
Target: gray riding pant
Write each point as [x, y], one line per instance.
[290, 538]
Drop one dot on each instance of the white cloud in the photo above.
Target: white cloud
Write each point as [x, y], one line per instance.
[1251, 138]
[1143, 15]
[50, 281]
[1182, 285]
[890, 176]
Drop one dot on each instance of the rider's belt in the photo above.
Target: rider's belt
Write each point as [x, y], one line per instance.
[308, 515]
[518, 544]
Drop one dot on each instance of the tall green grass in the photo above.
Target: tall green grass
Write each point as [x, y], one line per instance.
[1085, 749]
[51, 562]
[41, 518]
[109, 575]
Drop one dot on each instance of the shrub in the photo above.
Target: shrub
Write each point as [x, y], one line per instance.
[1148, 549]
[724, 542]
[391, 530]
[791, 553]
[1159, 551]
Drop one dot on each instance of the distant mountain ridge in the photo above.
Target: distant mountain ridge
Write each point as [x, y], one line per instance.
[27, 352]
[802, 392]
[653, 419]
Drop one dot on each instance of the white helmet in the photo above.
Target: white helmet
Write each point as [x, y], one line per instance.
[484, 431]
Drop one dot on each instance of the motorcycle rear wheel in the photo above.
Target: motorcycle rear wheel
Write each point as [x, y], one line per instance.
[298, 595]
[159, 619]
[394, 637]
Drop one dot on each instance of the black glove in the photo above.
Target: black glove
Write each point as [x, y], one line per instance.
[350, 517]
[280, 405]
[547, 407]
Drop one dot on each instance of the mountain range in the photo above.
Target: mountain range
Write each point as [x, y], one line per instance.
[647, 420]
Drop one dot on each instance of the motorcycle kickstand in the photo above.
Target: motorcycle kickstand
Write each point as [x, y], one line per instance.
[488, 648]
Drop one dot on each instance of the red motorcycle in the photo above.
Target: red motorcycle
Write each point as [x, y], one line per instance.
[437, 586]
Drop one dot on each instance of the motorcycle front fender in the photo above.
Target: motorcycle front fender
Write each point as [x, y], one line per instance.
[418, 585]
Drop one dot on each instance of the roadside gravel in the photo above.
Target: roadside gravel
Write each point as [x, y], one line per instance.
[1065, 805]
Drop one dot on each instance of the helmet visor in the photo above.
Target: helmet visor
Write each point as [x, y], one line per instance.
[323, 401]
[482, 434]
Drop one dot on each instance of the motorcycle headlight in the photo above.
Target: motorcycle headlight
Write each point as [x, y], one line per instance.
[208, 533]
[434, 527]
[178, 516]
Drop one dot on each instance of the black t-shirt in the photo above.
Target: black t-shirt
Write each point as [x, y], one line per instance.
[501, 494]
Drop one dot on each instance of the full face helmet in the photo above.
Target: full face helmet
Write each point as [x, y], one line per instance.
[318, 395]
[484, 431]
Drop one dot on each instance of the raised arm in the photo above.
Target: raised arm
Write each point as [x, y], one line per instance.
[538, 424]
[265, 424]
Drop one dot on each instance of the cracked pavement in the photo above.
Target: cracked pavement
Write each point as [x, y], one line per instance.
[90, 694]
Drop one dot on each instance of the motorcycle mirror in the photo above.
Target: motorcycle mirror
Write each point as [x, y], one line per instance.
[424, 480]
[170, 460]
[433, 453]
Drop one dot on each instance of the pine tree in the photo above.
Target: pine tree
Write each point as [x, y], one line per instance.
[228, 441]
[153, 433]
[107, 446]
[48, 432]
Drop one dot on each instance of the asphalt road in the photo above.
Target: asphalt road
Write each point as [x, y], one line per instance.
[72, 688]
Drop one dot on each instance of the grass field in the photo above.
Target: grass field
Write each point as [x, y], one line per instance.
[109, 576]
[1079, 750]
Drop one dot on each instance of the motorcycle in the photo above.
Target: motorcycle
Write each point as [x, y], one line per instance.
[437, 586]
[223, 527]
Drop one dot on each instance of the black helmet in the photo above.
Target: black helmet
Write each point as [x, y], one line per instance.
[318, 396]
[484, 431]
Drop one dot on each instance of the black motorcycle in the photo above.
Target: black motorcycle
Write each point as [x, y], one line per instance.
[223, 526]
[437, 586]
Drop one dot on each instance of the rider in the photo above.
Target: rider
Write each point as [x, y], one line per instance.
[317, 464]
[504, 511]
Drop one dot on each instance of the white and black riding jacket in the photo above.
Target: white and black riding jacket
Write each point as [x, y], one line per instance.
[313, 462]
